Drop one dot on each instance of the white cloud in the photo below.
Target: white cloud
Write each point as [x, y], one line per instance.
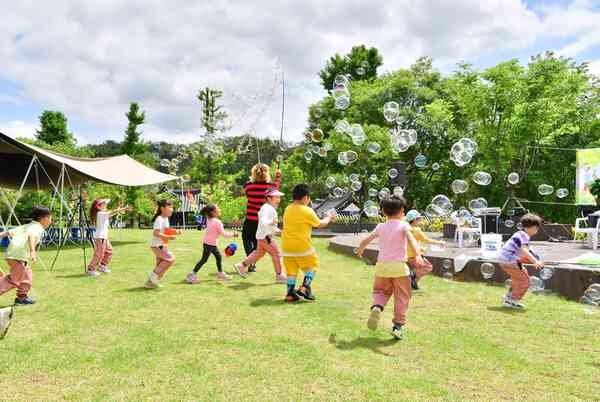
[90, 59]
[594, 67]
[18, 128]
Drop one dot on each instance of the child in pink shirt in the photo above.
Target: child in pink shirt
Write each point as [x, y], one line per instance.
[392, 275]
[214, 229]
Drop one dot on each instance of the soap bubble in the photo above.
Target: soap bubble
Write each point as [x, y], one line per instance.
[384, 193]
[463, 151]
[398, 191]
[341, 80]
[482, 178]
[509, 223]
[448, 276]
[441, 205]
[365, 64]
[391, 110]
[354, 177]
[356, 186]
[356, 130]
[412, 136]
[352, 156]
[342, 102]
[447, 264]
[593, 292]
[328, 146]
[535, 284]
[359, 140]
[318, 112]
[373, 192]
[487, 270]
[308, 156]
[338, 192]
[186, 177]
[392, 173]
[342, 158]
[513, 178]
[342, 126]
[165, 163]
[322, 152]
[374, 147]
[341, 95]
[459, 186]
[317, 135]
[315, 149]
[371, 211]
[373, 178]
[478, 205]
[400, 139]
[546, 273]
[279, 158]
[562, 193]
[360, 71]
[330, 182]
[545, 189]
[435, 166]
[420, 161]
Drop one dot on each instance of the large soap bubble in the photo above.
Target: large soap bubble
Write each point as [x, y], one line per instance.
[545, 189]
[482, 178]
[487, 270]
[459, 186]
[356, 186]
[442, 205]
[342, 126]
[478, 205]
[420, 161]
[384, 193]
[513, 178]
[562, 193]
[374, 147]
[352, 156]
[546, 273]
[391, 110]
[398, 191]
[371, 211]
[462, 151]
[536, 284]
[393, 173]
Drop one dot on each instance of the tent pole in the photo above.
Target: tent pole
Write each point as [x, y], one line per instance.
[19, 193]
[183, 209]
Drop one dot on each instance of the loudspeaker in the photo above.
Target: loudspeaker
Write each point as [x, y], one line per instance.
[401, 179]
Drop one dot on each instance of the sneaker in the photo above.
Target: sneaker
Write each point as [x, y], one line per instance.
[241, 269]
[192, 278]
[150, 285]
[397, 331]
[93, 274]
[280, 278]
[24, 302]
[374, 318]
[413, 281]
[252, 268]
[509, 302]
[292, 298]
[222, 276]
[103, 269]
[306, 293]
[6, 314]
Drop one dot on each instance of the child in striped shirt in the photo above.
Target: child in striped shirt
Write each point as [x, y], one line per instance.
[514, 253]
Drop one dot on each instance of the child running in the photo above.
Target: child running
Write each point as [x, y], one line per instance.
[164, 258]
[100, 216]
[21, 251]
[391, 271]
[516, 251]
[267, 228]
[414, 218]
[214, 229]
[298, 251]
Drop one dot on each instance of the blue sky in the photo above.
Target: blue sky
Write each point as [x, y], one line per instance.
[91, 59]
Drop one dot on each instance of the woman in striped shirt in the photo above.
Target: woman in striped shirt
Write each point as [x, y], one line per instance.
[260, 182]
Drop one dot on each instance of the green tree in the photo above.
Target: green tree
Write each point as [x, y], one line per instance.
[361, 64]
[53, 129]
[132, 144]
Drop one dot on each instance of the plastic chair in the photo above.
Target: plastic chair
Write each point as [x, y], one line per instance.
[590, 232]
[461, 230]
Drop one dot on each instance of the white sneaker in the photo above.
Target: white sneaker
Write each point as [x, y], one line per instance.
[374, 318]
[397, 332]
[104, 269]
[222, 276]
[154, 279]
[509, 302]
[93, 274]
[149, 285]
[6, 314]
[241, 269]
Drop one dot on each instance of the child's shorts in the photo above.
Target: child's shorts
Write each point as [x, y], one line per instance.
[304, 263]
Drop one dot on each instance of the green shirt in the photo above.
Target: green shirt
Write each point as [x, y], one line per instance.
[18, 249]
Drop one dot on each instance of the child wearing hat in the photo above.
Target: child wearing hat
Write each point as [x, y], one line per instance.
[100, 216]
[423, 267]
[267, 228]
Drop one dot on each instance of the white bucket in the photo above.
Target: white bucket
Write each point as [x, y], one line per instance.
[490, 244]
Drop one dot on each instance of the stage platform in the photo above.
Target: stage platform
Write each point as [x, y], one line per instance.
[570, 282]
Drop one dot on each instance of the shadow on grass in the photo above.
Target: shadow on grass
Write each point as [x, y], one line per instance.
[247, 285]
[506, 310]
[274, 302]
[72, 276]
[137, 289]
[371, 343]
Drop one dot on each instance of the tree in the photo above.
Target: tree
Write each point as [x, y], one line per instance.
[361, 64]
[132, 145]
[53, 129]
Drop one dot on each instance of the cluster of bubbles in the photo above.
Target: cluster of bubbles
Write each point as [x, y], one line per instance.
[172, 165]
[459, 186]
[477, 205]
[371, 208]
[347, 157]
[462, 151]
[391, 111]
[402, 139]
[482, 178]
[536, 285]
[340, 92]
[591, 295]
[440, 206]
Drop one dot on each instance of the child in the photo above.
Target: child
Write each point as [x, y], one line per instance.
[391, 271]
[511, 255]
[100, 216]
[214, 229]
[298, 251]
[164, 258]
[267, 227]
[414, 218]
[22, 249]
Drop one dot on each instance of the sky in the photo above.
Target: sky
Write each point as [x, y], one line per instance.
[90, 59]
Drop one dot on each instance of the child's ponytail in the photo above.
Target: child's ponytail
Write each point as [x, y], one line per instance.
[208, 210]
[160, 204]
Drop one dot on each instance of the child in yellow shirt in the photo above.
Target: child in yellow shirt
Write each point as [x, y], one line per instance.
[418, 270]
[297, 249]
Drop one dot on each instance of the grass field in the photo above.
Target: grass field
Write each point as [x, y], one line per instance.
[110, 339]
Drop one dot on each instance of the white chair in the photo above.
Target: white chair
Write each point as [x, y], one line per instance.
[461, 230]
[591, 232]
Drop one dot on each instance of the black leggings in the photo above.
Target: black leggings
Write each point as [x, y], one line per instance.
[207, 251]
[249, 236]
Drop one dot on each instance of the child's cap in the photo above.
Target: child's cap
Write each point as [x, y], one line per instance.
[412, 215]
[101, 201]
[273, 192]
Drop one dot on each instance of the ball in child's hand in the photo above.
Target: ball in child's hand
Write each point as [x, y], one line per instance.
[230, 249]
[170, 231]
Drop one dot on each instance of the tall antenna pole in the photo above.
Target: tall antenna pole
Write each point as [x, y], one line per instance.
[282, 108]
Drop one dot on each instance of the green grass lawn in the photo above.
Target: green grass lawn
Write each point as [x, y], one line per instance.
[110, 339]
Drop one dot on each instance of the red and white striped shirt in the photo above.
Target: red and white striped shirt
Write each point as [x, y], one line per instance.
[255, 194]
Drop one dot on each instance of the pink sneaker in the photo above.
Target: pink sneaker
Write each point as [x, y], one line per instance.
[241, 269]
[192, 278]
[222, 276]
[280, 278]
